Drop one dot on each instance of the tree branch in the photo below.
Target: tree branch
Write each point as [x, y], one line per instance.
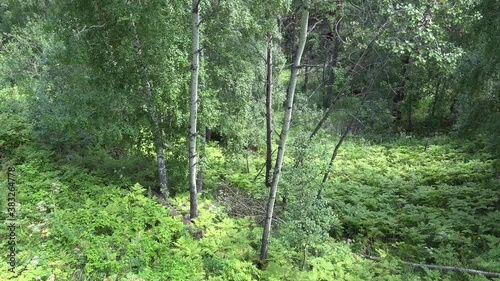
[314, 25]
[310, 65]
[352, 71]
[85, 29]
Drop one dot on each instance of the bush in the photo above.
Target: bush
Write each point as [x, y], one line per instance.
[13, 117]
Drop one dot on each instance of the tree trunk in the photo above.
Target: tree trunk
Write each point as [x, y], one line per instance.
[334, 155]
[409, 129]
[304, 256]
[339, 143]
[208, 134]
[199, 178]
[333, 54]
[284, 130]
[305, 87]
[193, 196]
[160, 157]
[151, 108]
[269, 123]
[436, 99]
[400, 91]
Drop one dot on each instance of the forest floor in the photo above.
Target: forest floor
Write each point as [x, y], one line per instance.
[426, 201]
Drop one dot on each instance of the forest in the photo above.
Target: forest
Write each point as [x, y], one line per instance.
[242, 140]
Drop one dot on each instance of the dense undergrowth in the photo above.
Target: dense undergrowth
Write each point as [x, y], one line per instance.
[423, 201]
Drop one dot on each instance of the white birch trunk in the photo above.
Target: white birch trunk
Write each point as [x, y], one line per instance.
[193, 209]
[284, 130]
[269, 99]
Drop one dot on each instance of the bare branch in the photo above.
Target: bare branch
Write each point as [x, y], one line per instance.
[314, 25]
[85, 29]
[310, 65]
[337, 30]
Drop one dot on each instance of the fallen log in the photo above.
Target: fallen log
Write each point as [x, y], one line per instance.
[443, 267]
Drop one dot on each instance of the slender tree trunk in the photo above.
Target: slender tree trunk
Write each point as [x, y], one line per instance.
[400, 91]
[284, 130]
[410, 108]
[333, 54]
[334, 155]
[247, 163]
[151, 108]
[199, 177]
[202, 151]
[305, 87]
[294, 36]
[208, 134]
[304, 257]
[436, 99]
[339, 143]
[193, 196]
[269, 123]
[160, 157]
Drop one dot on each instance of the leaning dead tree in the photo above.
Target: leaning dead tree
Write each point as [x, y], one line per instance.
[444, 267]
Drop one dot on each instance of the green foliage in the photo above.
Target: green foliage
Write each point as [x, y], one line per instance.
[232, 168]
[425, 200]
[117, 167]
[422, 200]
[432, 203]
[15, 129]
[233, 73]
[104, 231]
[479, 101]
[70, 220]
[308, 221]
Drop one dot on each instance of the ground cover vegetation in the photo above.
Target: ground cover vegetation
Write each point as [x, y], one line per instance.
[249, 140]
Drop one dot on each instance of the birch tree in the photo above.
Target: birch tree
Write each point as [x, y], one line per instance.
[193, 209]
[284, 130]
[151, 108]
[129, 86]
[269, 109]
